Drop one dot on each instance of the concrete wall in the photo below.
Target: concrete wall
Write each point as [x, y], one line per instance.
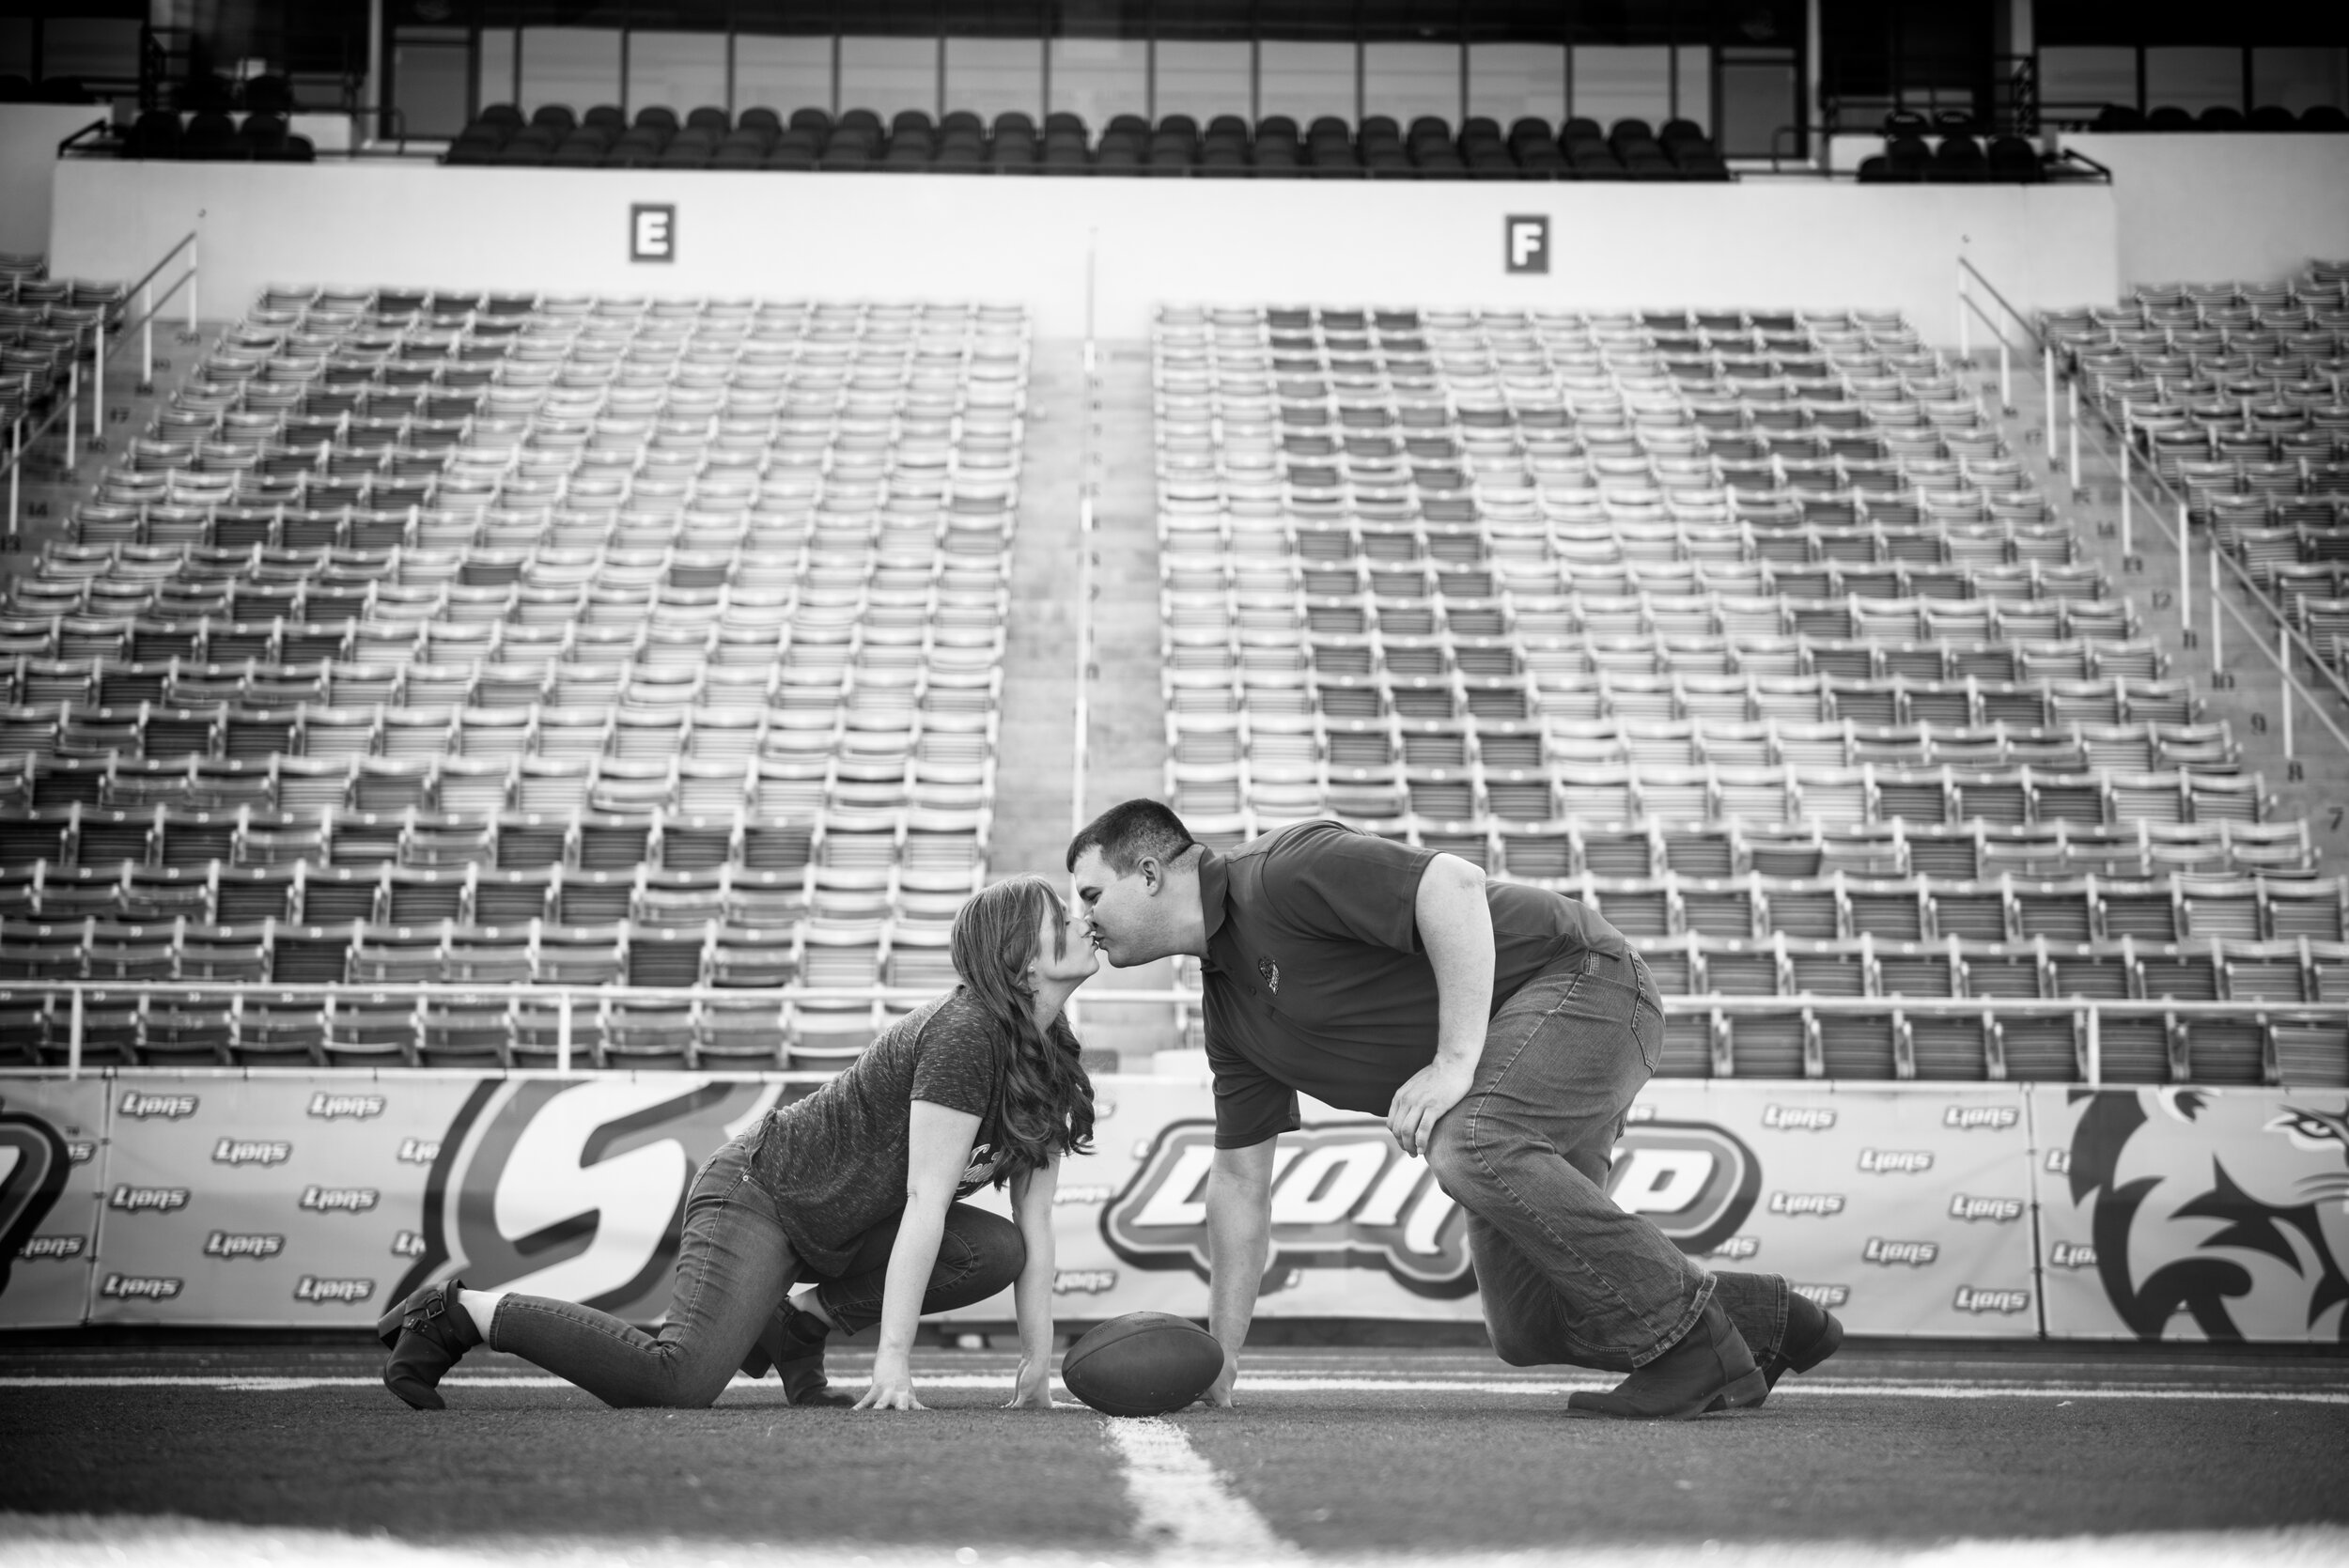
[29, 134]
[2200, 207]
[1797, 245]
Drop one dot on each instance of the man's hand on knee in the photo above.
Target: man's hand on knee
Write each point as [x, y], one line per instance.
[1424, 1098]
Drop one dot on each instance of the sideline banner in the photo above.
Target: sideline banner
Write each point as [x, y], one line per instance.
[52, 1136]
[273, 1200]
[263, 1201]
[2194, 1214]
[266, 1200]
[1906, 1210]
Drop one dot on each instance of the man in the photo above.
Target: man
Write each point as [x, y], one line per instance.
[1501, 1029]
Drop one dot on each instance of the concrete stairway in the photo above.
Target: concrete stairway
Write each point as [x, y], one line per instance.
[47, 490]
[2238, 679]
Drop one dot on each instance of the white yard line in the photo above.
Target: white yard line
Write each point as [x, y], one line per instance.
[84, 1541]
[1182, 1506]
[1279, 1384]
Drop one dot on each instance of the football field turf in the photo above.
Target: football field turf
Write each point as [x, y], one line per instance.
[238, 1453]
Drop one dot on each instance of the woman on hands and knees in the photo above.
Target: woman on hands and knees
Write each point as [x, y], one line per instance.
[854, 1188]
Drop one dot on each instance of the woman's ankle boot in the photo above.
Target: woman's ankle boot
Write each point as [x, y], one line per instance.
[427, 1334]
[793, 1341]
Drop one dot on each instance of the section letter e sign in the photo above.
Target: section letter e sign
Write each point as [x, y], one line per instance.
[1527, 248]
[652, 232]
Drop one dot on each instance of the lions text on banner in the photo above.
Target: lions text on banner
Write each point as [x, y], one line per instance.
[316, 1201]
[264, 1201]
[1905, 1210]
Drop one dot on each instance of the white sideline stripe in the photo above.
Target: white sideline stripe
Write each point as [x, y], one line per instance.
[1279, 1384]
[114, 1541]
[1181, 1504]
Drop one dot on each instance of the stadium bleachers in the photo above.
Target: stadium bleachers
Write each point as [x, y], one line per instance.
[214, 135]
[2220, 117]
[44, 322]
[1952, 148]
[493, 640]
[1745, 628]
[1228, 147]
[2233, 392]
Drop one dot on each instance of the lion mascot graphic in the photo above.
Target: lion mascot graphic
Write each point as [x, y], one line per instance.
[2231, 1207]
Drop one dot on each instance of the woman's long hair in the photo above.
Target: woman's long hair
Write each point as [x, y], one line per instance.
[1044, 1098]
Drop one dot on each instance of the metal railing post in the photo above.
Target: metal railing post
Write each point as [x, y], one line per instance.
[563, 1033]
[2006, 377]
[2046, 365]
[74, 1037]
[193, 247]
[2095, 1046]
[2217, 661]
[16, 468]
[2127, 483]
[2185, 571]
[97, 381]
[2283, 664]
[1965, 350]
[2072, 402]
[73, 401]
[147, 337]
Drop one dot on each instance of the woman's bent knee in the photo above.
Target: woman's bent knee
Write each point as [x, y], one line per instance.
[677, 1383]
[997, 1250]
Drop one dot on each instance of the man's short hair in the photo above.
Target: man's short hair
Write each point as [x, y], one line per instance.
[1129, 832]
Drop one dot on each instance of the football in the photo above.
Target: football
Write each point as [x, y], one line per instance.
[1143, 1364]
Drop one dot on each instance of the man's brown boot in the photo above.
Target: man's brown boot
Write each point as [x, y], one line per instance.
[1710, 1368]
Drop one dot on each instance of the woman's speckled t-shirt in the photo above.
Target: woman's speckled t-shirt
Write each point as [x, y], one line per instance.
[835, 1163]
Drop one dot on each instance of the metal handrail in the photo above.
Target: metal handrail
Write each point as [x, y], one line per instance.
[98, 126]
[2073, 155]
[161, 262]
[2111, 438]
[1176, 996]
[2087, 1014]
[69, 408]
[2114, 438]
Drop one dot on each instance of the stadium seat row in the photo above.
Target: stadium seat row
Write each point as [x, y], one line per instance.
[961, 142]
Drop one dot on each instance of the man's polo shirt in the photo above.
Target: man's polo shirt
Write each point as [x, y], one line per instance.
[1315, 979]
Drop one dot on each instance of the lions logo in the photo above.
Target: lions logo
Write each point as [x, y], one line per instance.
[2221, 1206]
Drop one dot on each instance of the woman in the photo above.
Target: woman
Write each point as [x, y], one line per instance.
[854, 1186]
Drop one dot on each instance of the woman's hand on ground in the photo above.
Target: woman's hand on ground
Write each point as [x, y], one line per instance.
[892, 1390]
[1219, 1394]
[1033, 1392]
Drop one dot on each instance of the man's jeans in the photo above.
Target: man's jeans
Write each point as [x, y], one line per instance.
[1566, 1276]
[734, 1265]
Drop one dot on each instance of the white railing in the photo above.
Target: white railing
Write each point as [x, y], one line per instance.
[150, 304]
[2141, 481]
[2086, 1014]
[1088, 544]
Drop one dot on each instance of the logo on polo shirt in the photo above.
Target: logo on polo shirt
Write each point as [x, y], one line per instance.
[1271, 973]
[1344, 1196]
